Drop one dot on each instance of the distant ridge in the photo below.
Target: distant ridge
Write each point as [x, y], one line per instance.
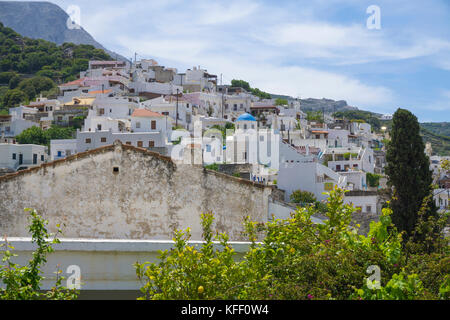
[45, 20]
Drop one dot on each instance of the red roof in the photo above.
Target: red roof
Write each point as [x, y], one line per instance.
[100, 91]
[73, 83]
[145, 113]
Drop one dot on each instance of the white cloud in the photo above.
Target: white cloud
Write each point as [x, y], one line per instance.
[289, 49]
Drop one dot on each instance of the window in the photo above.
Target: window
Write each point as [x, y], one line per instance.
[165, 113]
[235, 107]
[88, 140]
[242, 105]
[138, 124]
[151, 144]
[103, 139]
[317, 136]
[369, 209]
[139, 144]
[99, 127]
[102, 111]
[59, 153]
[153, 124]
[14, 156]
[208, 148]
[34, 158]
[60, 118]
[42, 157]
[115, 170]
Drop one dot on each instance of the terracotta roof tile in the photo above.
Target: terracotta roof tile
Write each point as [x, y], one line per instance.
[145, 113]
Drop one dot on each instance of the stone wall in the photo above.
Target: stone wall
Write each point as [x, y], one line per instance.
[121, 191]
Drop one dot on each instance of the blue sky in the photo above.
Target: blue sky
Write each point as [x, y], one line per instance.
[313, 48]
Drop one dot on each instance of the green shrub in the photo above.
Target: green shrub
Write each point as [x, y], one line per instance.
[298, 259]
[373, 179]
[24, 282]
[299, 196]
[213, 166]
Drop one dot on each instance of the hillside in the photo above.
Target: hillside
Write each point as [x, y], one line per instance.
[45, 20]
[439, 128]
[439, 143]
[327, 105]
[29, 67]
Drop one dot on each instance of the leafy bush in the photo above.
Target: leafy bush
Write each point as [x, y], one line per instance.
[35, 135]
[213, 166]
[400, 287]
[189, 272]
[373, 179]
[24, 282]
[299, 259]
[299, 196]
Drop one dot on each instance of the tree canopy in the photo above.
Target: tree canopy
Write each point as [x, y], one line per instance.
[246, 86]
[37, 66]
[35, 135]
[408, 170]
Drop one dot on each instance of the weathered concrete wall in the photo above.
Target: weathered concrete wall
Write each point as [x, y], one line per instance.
[148, 198]
[105, 265]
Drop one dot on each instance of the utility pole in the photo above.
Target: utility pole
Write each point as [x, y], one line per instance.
[222, 102]
[176, 116]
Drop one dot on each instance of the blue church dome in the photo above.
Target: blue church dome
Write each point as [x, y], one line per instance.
[246, 117]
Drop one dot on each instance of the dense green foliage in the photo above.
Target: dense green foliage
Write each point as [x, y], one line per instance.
[439, 143]
[439, 128]
[36, 66]
[213, 166]
[316, 116]
[299, 196]
[408, 170]
[35, 135]
[24, 282]
[246, 86]
[298, 259]
[373, 179]
[281, 102]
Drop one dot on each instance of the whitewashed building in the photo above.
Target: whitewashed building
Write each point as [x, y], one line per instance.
[21, 156]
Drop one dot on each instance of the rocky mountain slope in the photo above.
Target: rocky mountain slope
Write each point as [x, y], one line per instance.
[45, 20]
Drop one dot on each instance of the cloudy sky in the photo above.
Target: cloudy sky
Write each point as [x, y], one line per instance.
[311, 48]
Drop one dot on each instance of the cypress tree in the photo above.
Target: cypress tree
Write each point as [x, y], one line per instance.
[408, 170]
